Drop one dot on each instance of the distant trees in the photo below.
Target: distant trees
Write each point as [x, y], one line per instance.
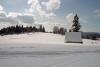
[92, 36]
[76, 25]
[57, 30]
[20, 29]
[41, 28]
[62, 31]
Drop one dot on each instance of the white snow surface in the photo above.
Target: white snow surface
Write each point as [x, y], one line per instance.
[47, 50]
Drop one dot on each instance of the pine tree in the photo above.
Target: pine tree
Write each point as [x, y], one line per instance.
[76, 25]
[40, 29]
[43, 29]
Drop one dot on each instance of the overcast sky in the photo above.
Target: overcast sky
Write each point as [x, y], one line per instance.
[51, 12]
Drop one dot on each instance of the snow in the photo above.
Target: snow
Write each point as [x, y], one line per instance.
[33, 38]
[47, 50]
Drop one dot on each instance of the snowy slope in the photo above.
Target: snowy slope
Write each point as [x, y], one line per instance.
[47, 50]
[40, 38]
[33, 38]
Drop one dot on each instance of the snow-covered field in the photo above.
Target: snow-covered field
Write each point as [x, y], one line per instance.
[47, 50]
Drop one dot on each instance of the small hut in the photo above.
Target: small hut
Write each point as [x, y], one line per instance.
[73, 37]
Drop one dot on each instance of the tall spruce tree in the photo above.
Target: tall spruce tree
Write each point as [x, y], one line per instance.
[76, 25]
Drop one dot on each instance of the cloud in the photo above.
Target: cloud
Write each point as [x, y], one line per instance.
[44, 11]
[2, 12]
[44, 8]
[69, 19]
[38, 11]
[1, 8]
[5, 19]
[36, 8]
[97, 12]
[26, 19]
[82, 20]
[8, 20]
[3, 16]
[13, 18]
[52, 5]
[34, 5]
[13, 14]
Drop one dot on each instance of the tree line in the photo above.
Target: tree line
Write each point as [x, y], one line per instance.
[21, 29]
[61, 30]
[18, 29]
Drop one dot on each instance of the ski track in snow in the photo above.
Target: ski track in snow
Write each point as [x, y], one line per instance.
[49, 56]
